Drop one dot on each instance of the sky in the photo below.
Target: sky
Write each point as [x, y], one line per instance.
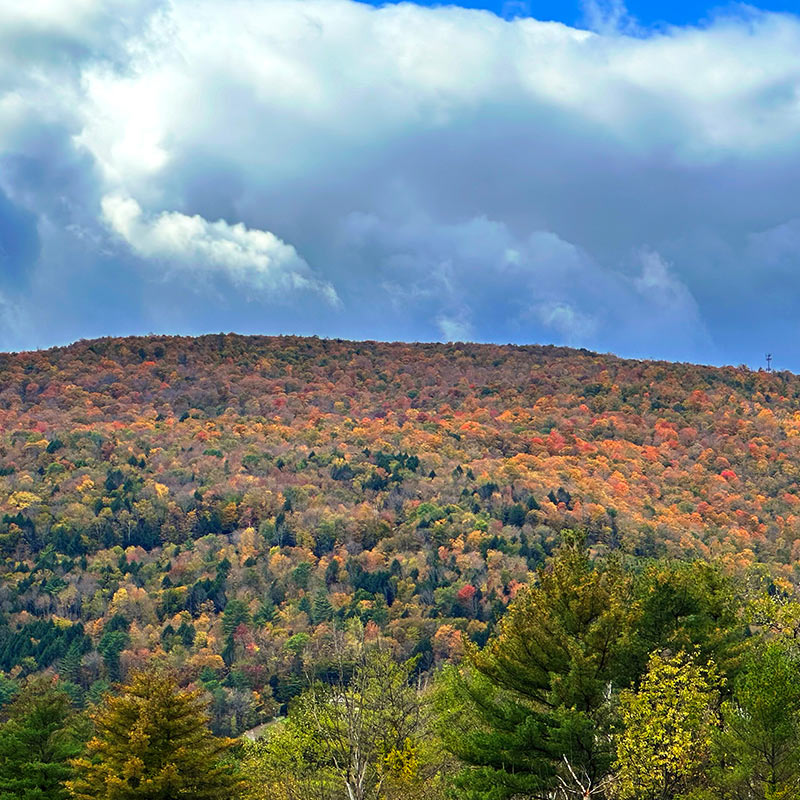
[623, 179]
[647, 13]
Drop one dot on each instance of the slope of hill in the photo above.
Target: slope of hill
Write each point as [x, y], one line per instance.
[221, 500]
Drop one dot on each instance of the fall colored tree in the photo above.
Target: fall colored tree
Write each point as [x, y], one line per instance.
[152, 742]
[668, 724]
[222, 502]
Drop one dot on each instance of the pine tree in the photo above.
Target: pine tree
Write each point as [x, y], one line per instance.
[758, 748]
[70, 666]
[531, 711]
[41, 736]
[152, 742]
[322, 609]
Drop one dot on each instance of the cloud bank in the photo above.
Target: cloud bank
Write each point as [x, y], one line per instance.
[251, 258]
[323, 166]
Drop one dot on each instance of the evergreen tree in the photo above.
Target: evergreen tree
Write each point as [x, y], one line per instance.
[8, 688]
[759, 746]
[111, 644]
[689, 606]
[322, 609]
[42, 734]
[236, 614]
[532, 708]
[70, 666]
[152, 742]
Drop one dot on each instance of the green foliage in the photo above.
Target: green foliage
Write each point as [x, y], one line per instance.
[759, 742]
[38, 740]
[111, 644]
[42, 640]
[8, 689]
[322, 610]
[358, 736]
[539, 690]
[288, 764]
[236, 614]
[689, 606]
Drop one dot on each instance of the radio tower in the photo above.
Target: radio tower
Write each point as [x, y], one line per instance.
[769, 362]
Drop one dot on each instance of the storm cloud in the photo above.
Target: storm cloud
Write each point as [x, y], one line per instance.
[327, 167]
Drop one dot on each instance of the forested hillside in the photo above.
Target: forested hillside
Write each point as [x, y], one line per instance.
[224, 502]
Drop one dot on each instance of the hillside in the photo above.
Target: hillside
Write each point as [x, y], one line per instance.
[221, 499]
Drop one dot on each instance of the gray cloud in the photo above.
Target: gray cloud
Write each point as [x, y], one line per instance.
[19, 241]
[321, 166]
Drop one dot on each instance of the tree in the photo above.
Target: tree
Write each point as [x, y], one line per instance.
[360, 734]
[362, 720]
[42, 734]
[531, 712]
[759, 745]
[111, 644]
[689, 606]
[289, 764]
[322, 608]
[666, 730]
[152, 742]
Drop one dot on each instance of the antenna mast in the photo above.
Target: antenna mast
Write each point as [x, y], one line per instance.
[769, 362]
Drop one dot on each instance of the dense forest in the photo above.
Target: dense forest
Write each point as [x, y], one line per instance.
[489, 571]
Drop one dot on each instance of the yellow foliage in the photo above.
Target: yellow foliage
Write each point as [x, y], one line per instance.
[86, 485]
[21, 500]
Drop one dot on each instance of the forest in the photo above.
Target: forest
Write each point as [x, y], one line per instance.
[374, 570]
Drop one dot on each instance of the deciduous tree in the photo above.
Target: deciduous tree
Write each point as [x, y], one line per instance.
[667, 728]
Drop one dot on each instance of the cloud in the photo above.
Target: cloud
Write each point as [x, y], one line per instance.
[660, 285]
[570, 325]
[455, 277]
[455, 330]
[255, 259]
[442, 172]
[607, 16]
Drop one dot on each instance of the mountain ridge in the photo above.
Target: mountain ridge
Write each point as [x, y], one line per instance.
[290, 337]
[221, 501]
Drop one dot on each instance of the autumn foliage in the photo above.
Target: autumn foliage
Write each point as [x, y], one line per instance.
[221, 502]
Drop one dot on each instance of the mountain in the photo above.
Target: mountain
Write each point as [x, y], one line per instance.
[220, 500]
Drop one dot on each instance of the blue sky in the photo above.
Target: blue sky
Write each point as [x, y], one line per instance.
[648, 14]
[625, 181]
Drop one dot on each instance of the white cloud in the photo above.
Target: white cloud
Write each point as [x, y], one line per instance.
[568, 323]
[607, 16]
[658, 283]
[455, 330]
[255, 259]
[281, 84]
